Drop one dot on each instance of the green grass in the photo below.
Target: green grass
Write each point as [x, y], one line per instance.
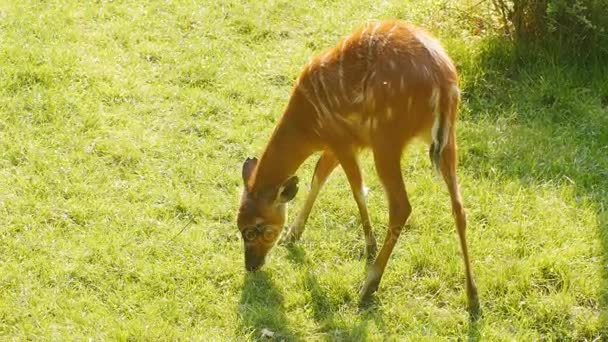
[120, 122]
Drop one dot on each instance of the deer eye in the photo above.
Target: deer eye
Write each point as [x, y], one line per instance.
[253, 232]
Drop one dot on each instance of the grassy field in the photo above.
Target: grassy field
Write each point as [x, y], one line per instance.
[123, 127]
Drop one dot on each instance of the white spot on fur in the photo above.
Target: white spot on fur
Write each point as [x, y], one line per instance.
[325, 90]
[426, 72]
[341, 73]
[304, 92]
[372, 75]
[319, 123]
[359, 97]
[324, 109]
[414, 66]
[410, 102]
[392, 65]
[374, 124]
[389, 113]
[337, 101]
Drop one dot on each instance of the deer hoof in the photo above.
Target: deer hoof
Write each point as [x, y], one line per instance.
[473, 302]
[370, 286]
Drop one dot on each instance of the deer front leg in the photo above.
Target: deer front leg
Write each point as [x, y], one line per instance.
[351, 168]
[325, 165]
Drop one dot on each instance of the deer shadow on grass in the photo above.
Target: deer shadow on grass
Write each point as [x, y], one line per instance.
[544, 123]
[261, 309]
[324, 309]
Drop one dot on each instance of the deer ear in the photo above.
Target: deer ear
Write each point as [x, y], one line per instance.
[288, 190]
[248, 167]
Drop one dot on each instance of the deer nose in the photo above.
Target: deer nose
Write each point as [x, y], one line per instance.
[253, 262]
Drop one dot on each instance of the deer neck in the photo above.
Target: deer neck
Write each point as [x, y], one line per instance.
[291, 143]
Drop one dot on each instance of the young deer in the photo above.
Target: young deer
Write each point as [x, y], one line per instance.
[383, 85]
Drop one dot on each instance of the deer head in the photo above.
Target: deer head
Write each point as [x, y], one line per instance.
[262, 214]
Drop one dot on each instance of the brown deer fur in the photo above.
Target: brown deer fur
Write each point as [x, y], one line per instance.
[381, 86]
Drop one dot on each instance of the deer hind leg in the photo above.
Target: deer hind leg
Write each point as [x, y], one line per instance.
[388, 167]
[325, 165]
[350, 165]
[448, 170]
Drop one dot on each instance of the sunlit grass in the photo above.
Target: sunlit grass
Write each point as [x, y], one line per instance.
[123, 127]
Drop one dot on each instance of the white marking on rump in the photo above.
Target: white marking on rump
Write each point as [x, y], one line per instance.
[434, 103]
[435, 130]
[440, 143]
[434, 99]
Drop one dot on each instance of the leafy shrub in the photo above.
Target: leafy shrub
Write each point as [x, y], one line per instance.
[570, 23]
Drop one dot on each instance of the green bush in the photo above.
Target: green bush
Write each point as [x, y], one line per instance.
[574, 24]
